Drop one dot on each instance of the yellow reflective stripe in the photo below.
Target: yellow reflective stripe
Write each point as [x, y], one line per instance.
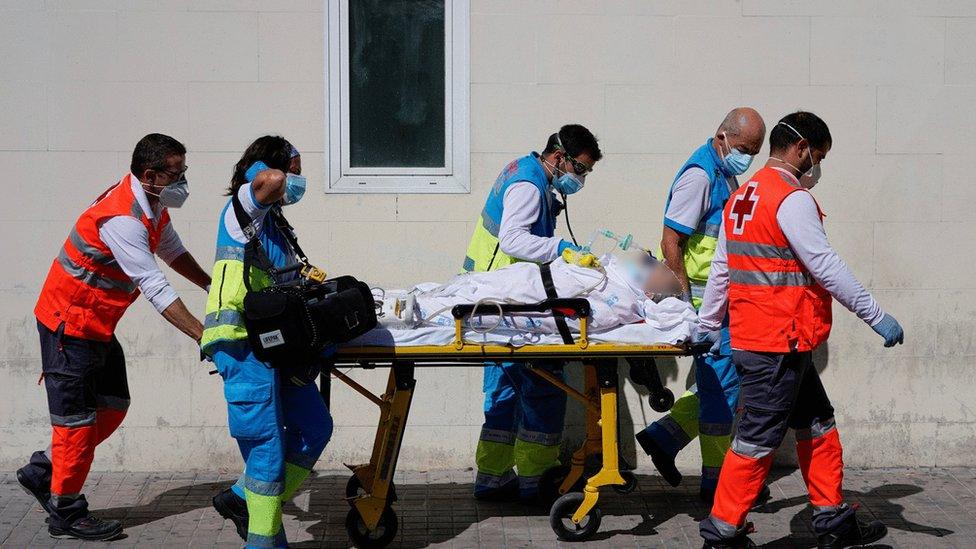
[264, 513]
[494, 458]
[532, 459]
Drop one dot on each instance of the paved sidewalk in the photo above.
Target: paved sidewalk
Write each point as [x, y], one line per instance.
[923, 508]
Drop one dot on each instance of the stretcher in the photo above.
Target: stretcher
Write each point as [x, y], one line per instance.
[574, 514]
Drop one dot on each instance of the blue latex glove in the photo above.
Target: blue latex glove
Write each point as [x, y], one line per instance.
[565, 244]
[890, 330]
[714, 337]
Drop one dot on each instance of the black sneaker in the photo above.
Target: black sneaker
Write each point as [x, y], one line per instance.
[35, 479]
[233, 508]
[663, 462]
[88, 528]
[852, 533]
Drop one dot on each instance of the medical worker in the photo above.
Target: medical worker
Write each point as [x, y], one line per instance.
[775, 272]
[691, 220]
[523, 413]
[275, 413]
[107, 260]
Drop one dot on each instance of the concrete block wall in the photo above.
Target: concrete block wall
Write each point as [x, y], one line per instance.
[80, 82]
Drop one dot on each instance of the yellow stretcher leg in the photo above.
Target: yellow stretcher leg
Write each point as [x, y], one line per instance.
[376, 477]
[604, 380]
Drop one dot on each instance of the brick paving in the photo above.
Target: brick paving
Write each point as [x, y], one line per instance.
[927, 508]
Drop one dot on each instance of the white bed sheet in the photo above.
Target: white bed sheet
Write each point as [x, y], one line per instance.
[673, 322]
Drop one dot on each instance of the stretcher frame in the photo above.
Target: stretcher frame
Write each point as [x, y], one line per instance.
[599, 397]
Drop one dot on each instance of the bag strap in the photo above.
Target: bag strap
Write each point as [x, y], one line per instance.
[546, 273]
[252, 247]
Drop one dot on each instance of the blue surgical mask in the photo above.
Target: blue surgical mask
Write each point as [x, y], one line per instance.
[294, 188]
[567, 183]
[737, 162]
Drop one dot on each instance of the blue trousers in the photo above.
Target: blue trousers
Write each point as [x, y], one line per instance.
[523, 426]
[281, 428]
[706, 411]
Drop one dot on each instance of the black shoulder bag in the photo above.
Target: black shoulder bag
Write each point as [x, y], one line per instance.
[289, 324]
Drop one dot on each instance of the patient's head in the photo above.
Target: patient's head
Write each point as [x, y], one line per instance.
[661, 282]
[653, 277]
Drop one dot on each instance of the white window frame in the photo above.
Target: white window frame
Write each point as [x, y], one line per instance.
[455, 176]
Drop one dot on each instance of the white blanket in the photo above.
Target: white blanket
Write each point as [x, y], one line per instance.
[620, 313]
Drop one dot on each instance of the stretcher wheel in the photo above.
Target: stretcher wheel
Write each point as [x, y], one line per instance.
[639, 373]
[560, 519]
[661, 401]
[354, 489]
[629, 485]
[384, 533]
[551, 480]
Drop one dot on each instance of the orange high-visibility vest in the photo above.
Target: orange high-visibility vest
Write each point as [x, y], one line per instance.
[775, 305]
[85, 287]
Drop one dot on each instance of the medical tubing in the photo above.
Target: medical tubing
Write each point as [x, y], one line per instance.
[566, 214]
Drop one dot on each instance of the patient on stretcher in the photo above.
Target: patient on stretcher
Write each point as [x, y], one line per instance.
[632, 298]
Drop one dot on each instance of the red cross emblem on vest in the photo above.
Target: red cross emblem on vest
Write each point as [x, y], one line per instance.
[743, 207]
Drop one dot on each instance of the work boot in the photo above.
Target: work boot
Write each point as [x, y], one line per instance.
[70, 519]
[662, 461]
[233, 508]
[707, 496]
[35, 479]
[845, 530]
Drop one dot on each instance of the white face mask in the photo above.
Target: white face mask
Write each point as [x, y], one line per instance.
[811, 177]
[173, 195]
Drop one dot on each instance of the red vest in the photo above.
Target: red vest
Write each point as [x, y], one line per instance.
[85, 287]
[775, 305]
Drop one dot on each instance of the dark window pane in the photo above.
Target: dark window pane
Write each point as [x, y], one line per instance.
[396, 83]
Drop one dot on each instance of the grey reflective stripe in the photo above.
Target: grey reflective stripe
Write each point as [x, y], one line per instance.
[753, 249]
[817, 430]
[771, 278]
[63, 498]
[226, 317]
[708, 229]
[74, 420]
[90, 251]
[91, 277]
[490, 224]
[263, 487]
[723, 528]
[113, 402]
[715, 429]
[697, 290]
[468, 264]
[529, 484]
[748, 449]
[538, 437]
[828, 509]
[136, 210]
[486, 480]
[497, 435]
[229, 252]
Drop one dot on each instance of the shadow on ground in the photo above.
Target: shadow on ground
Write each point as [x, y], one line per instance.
[439, 512]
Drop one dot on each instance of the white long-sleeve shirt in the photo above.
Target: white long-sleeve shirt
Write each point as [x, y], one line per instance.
[128, 240]
[799, 219]
[521, 208]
